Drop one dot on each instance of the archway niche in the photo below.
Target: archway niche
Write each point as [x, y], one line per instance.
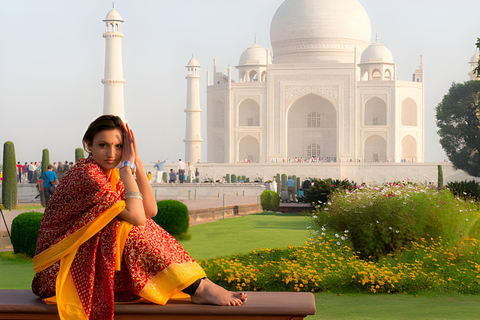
[409, 113]
[249, 149]
[375, 112]
[409, 149]
[312, 119]
[376, 75]
[248, 113]
[375, 149]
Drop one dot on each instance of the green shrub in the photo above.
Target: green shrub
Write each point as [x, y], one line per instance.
[465, 189]
[164, 176]
[227, 178]
[79, 154]
[270, 200]
[9, 175]
[248, 180]
[385, 219]
[321, 191]
[172, 216]
[279, 183]
[233, 178]
[25, 232]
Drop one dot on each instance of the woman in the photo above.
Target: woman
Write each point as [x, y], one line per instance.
[97, 243]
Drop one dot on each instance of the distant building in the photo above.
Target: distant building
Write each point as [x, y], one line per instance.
[327, 93]
[473, 65]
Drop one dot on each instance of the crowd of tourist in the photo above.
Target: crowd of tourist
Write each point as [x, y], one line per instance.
[31, 172]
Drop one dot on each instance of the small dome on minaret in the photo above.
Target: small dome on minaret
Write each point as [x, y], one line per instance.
[193, 63]
[113, 15]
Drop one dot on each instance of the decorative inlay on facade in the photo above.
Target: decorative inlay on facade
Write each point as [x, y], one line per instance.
[293, 92]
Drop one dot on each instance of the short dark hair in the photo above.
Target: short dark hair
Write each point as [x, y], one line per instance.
[105, 122]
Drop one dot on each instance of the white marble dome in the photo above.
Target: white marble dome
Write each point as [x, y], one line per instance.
[377, 53]
[256, 55]
[306, 31]
[113, 15]
[193, 63]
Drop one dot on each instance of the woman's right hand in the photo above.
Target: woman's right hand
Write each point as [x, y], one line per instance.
[128, 150]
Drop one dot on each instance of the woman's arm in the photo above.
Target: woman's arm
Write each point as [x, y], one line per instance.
[137, 210]
[134, 211]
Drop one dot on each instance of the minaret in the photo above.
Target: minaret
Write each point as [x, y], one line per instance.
[193, 140]
[113, 81]
[473, 65]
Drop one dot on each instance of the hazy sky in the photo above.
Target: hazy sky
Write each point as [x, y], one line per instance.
[52, 61]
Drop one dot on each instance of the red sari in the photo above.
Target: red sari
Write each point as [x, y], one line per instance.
[87, 258]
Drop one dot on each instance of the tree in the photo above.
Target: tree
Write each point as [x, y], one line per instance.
[458, 120]
[10, 171]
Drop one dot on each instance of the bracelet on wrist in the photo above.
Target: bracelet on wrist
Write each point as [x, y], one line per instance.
[133, 195]
[128, 164]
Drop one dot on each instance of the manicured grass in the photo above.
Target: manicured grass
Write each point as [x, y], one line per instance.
[396, 306]
[16, 271]
[244, 234]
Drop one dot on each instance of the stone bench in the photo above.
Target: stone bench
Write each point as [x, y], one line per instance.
[23, 304]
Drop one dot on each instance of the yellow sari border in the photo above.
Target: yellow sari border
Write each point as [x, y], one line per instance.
[171, 281]
[73, 242]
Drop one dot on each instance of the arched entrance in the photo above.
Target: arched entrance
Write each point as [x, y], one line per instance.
[312, 120]
[249, 149]
[409, 149]
[375, 149]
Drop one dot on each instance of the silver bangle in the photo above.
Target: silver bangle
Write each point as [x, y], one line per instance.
[133, 195]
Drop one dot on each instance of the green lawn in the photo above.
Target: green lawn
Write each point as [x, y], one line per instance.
[396, 306]
[244, 234]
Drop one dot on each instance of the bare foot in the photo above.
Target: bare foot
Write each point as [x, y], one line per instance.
[211, 293]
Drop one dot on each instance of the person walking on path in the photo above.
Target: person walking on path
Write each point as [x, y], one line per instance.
[173, 176]
[291, 189]
[50, 180]
[181, 170]
[191, 171]
[159, 167]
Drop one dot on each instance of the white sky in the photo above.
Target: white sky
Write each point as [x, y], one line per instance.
[52, 61]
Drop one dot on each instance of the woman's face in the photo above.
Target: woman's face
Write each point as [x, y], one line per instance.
[106, 149]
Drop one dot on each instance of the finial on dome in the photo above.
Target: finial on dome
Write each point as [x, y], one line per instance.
[113, 4]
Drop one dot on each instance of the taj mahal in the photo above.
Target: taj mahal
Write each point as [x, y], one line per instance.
[324, 93]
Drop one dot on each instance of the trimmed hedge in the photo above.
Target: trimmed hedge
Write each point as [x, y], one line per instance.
[172, 216]
[270, 200]
[79, 154]
[9, 175]
[25, 232]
